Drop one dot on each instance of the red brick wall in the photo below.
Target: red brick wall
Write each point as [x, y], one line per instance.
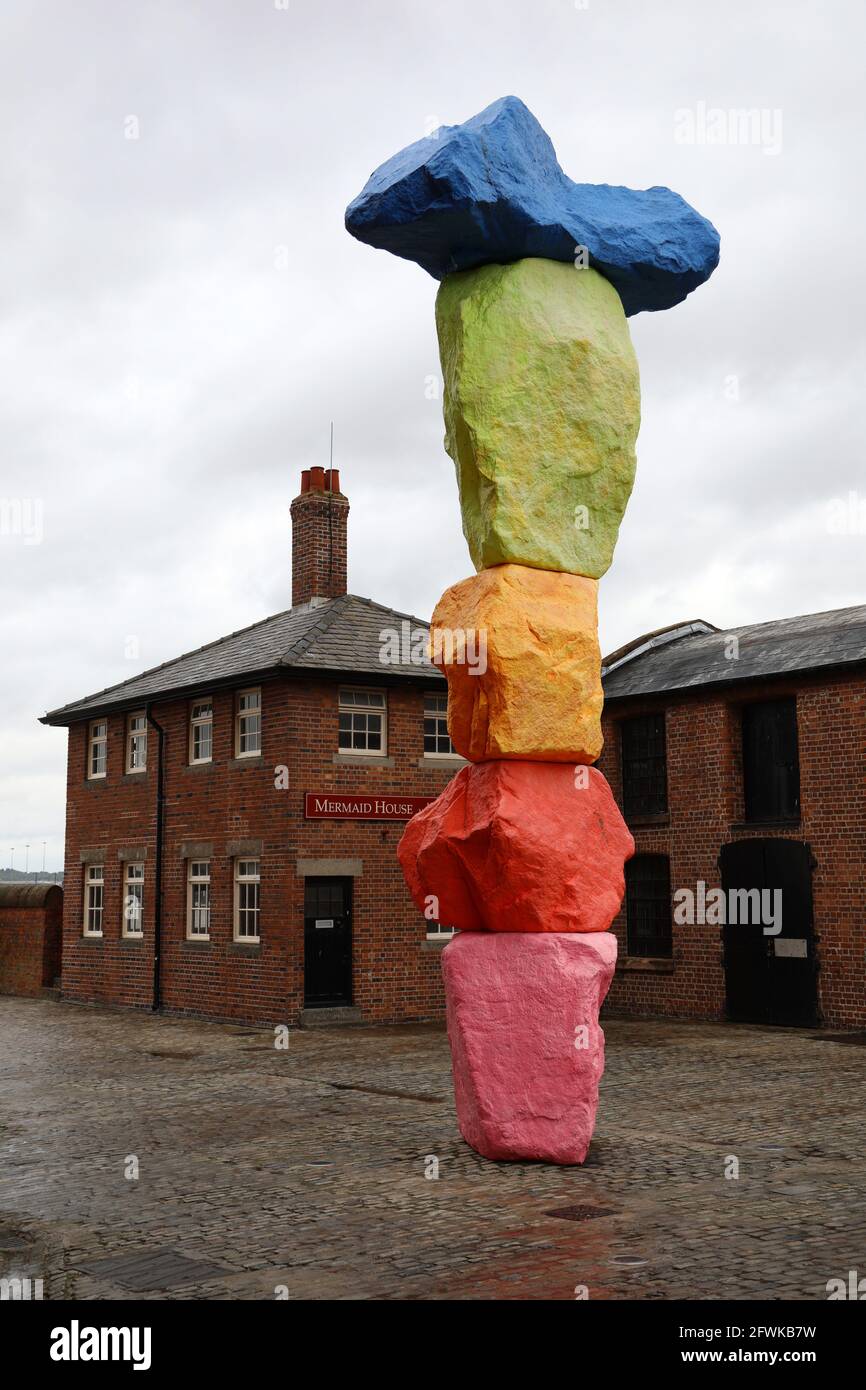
[706, 803]
[319, 541]
[30, 945]
[396, 974]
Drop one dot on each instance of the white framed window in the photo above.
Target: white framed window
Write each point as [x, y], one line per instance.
[94, 899]
[247, 899]
[136, 743]
[437, 741]
[435, 932]
[198, 900]
[248, 724]
[133, 900]
[201, 732]
[363, 718]
[97, 749]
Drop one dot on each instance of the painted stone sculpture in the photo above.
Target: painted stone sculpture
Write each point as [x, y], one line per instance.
[542, 410]
[535, 690]
[525, 849]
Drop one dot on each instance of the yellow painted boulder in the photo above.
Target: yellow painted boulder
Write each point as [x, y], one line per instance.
[519, 647]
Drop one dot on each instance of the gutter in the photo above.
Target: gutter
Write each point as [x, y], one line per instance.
[160, 825]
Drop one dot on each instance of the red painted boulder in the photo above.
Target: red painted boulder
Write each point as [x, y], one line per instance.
[519, 847]
[526, 1047]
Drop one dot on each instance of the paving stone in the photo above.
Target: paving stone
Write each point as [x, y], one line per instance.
[230, 1148]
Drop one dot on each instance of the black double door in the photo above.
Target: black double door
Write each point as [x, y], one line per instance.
[327, 942]
[771, 978]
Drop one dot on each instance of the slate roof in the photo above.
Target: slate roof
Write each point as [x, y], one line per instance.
[694, 654]
[339, 635]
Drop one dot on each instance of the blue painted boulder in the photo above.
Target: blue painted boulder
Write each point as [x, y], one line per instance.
[491, 190]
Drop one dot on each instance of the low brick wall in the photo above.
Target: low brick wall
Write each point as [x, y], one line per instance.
[31, 921]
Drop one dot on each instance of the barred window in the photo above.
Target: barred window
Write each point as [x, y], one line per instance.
[201, 732]
[198, 900]
[133, 900]
[136, 743]
[362, 716]
[648, 905]
[771, 762]
[437, 742]
[644, 765]
[94, 899]
[248, 724]
[247, 901]
[97, 749]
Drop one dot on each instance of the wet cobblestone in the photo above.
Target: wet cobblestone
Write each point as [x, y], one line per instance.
[305, 1168]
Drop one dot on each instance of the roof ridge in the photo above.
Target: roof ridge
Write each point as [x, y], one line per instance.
[163, 665]
[317, 629]
[395, 612]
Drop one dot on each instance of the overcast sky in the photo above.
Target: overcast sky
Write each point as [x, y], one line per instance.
[183, 313]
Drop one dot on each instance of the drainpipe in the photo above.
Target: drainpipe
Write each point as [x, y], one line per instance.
[160, 820]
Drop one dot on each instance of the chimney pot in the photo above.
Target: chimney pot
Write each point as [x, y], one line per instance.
[317, 480]
[305, 480]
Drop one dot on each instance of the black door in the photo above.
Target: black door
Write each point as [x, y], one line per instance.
[771, 978]
[327, 942]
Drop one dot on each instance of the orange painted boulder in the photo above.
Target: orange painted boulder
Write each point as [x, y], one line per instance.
[519, 847]
[519, 647]
[527, 1051]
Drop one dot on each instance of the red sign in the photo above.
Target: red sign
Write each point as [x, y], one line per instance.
[381, 806]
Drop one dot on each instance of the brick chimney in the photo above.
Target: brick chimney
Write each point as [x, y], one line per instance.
[319, 524]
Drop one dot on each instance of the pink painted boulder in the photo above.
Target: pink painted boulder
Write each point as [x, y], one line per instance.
[526, 1047]
[514, 846]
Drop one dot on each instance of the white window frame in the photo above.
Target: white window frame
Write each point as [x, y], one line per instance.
[200, 721]
[436, 932]
[244, 875]
[94, 741]
[94, 877]
[243, 714]
[132, 734]
[437, 714]
[133, 879]
[198, 875]
[346, 706]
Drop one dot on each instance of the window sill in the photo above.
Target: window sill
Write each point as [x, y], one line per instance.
[248, 760]
[135, 776]
[432, 761]
[661, 818]
[194, 943]
[792, 824]
[132, 940]
[245, 948]
[361, 760]
[646, 965]
[203, 766]
[91, 938]
[435, 943]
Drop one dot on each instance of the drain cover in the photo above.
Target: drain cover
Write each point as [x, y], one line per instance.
[149, 1270]
[580, 1213]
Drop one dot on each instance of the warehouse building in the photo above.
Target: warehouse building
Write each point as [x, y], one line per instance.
[739, 761]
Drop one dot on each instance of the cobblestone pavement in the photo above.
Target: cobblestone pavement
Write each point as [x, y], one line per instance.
[305, 1168]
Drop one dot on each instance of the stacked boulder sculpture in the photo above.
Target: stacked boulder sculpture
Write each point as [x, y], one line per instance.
[524, 851]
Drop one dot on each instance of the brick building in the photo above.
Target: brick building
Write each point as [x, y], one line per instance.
[738, 758]
[233, 815]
